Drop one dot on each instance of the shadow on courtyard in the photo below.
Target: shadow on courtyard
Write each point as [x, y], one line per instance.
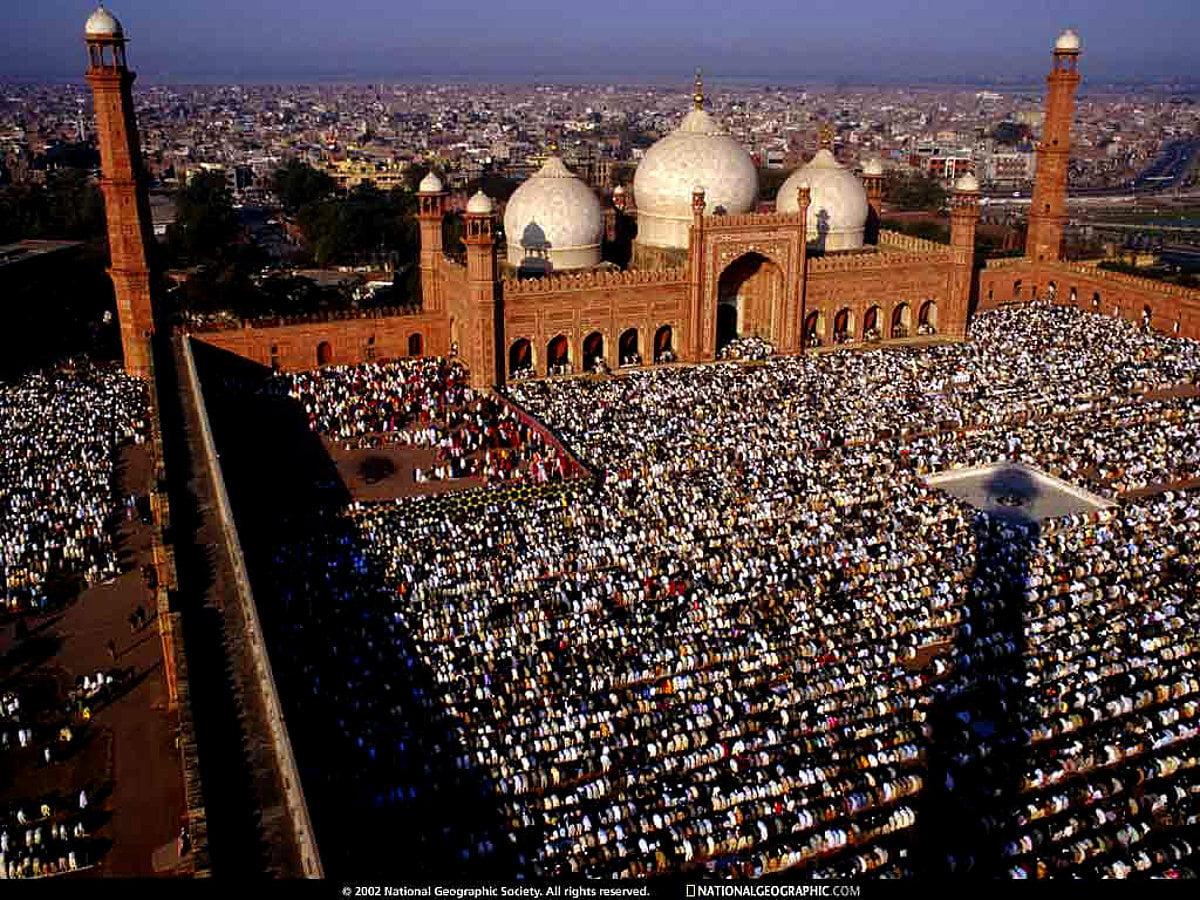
[979, 750]
[380, 763]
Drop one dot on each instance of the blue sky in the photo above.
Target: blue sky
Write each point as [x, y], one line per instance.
[861, 41]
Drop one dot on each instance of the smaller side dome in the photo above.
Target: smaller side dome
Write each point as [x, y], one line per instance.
[480, 204]
[872, 167]
[430, 184]
[838, 207]
[967, 184]
[1068, 41]
[103, 24]
[553, 221]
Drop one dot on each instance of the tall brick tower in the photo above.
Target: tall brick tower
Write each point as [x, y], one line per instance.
[123, 182]
[431, 197]
[1048, 214]
[483, 357]
[964, 217]
[872, 178]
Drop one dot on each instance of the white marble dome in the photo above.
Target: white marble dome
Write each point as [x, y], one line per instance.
[699, 153]
[837, 211]
[430, 184]
[967, 184]
[480, 204]
[102, 23]
[1068, 41]
[553, 221]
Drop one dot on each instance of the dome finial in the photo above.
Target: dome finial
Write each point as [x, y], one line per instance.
[103, 24]
[825, 136]
[1068, 42]
[698, 91]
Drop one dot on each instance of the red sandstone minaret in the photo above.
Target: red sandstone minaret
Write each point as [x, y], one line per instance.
[480, 239]
[1048, 214]
[964, 217]
[431, 195]
[872, 177]
[123, 182]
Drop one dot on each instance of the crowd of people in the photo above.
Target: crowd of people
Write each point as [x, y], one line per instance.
[428, 403]
[47, 837]
[40, 727]
[61, 431]
[747, 347]
[760, 640]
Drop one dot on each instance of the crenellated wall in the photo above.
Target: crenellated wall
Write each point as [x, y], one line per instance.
[338, 340]
[574, 281]
[910, 243]
[604, 303]
[1165, 307]
[889, 283]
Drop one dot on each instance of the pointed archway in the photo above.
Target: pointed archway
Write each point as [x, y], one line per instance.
[628, 348]
[750, 295]
[593, 351]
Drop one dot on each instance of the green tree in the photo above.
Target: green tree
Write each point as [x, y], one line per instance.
[298, 184]
[770, 181]
[68, 206]
[495, 185]
[363, 225]
[205, 224]
[913, 191]
[1011, 133]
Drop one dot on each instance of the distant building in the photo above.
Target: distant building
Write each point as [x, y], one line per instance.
[350, 173]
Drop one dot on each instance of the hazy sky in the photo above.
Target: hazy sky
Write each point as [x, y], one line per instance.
[860, 41]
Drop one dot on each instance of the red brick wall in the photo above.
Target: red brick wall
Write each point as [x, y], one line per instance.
[1126, 296]
[349, 340]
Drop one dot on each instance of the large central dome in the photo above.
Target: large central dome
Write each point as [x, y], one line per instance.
[553, 221]
[698, 154]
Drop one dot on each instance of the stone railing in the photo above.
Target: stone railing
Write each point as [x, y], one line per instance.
[577, 468]
[599, 278]
[193, 787]
[277, 733]
[232, 323]
[170, 633]
[1007, 262]
[908, 242]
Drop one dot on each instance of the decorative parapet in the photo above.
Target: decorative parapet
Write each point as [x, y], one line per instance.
[859, 262]
[756, 220]
[908, 242]
[295, 805]
[1090, 270]
[1130, 281]
[595, 278]
[1007, 262]
[229, 322]
[454, 264]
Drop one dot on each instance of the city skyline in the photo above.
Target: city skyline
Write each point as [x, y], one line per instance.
[660, 41]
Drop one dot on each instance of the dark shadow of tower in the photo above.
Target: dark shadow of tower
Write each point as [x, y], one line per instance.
[978, 745]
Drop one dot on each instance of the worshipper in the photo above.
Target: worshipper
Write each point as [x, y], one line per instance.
[60, 434]
[725, 653]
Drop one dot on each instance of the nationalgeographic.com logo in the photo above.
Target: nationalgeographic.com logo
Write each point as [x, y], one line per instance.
[773, 890]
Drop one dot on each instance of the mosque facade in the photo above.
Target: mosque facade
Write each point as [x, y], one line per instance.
[705, 265]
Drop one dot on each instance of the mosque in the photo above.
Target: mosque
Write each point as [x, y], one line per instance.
[705, 265]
